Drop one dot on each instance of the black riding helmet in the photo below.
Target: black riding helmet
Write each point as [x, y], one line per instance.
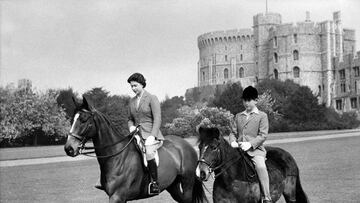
[250, 93]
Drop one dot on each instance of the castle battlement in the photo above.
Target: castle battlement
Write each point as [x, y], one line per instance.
[349, 34]
[298, 28]
[208, 39]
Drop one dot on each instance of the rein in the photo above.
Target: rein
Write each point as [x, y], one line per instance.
[107, 156]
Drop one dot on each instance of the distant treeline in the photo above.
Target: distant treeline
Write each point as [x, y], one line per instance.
[41, 118]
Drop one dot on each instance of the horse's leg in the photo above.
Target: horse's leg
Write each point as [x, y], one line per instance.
[175, 190]
[290, 189]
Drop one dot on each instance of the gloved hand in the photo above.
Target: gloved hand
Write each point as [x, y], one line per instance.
[245, 145]
[234, 144]
[150, 140]
[132, 128]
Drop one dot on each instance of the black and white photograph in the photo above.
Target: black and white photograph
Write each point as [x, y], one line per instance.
[161, 101]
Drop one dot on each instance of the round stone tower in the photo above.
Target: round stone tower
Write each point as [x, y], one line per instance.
[226, 56]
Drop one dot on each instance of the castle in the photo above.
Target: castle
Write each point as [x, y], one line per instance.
[319, 55]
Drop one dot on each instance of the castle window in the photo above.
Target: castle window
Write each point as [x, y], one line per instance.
[276, 74]
[342, 74]
[275, 57]
[295, 38]
[241, 57]
[296, 71]
[353, 102]
[296, 55]
[203, 76]
[356, 71]
[339, 104]
[275, 42]
[343, 87]
[319, 90]
[241, 74]
[226, 58]
[226, 73]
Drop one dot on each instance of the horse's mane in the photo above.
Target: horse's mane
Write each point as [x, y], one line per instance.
[105, 119]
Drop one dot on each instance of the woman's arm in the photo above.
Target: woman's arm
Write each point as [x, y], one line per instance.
[156, 112]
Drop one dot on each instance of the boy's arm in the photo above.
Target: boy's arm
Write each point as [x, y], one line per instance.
[262, 132]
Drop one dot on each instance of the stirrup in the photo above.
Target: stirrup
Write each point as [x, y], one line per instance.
[153, 188]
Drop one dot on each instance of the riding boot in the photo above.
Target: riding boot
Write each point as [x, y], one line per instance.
[154, 185]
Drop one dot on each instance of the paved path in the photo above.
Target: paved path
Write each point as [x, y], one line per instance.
[33, 161]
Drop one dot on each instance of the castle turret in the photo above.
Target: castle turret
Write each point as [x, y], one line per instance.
[262, 24]
[339, 34]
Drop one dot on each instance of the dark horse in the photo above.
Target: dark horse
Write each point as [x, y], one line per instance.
[235, 177]
[123, 174]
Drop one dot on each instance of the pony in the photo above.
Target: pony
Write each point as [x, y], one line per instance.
[235, 176]
[123, 174]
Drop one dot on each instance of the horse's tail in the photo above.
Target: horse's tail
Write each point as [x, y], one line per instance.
[198, 192]
[300, 194]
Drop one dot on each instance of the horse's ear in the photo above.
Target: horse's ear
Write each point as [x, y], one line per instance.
[85, 104]
[206, 133]
[75, 102]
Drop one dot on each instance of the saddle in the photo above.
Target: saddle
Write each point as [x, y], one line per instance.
[249, 172]
[140, 143]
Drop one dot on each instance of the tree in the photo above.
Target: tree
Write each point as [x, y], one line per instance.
[191, 117]
[192, 96]
[302, 106]
[116, 108]
[24, 114]
[280, 91]
[97, 96]
[230, 98]
[169, 108]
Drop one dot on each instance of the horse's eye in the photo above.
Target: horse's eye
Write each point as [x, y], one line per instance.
[213, 147]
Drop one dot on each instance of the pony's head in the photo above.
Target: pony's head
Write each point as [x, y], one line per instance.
[82, 128]
[209, 150]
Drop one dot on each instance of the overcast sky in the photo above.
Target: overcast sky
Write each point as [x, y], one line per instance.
[92, 43]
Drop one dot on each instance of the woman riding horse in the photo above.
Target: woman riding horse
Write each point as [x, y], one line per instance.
[144, 110]
[123, 174]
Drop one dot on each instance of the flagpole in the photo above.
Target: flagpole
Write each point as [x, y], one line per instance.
[266, 6]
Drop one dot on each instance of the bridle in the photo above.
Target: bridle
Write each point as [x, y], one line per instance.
[83, 138]
[223, 166]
